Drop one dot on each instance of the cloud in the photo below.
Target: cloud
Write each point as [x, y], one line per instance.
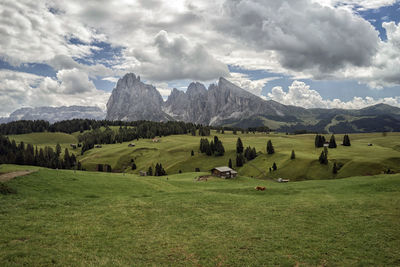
[359, 4]
[63, 62]
[384, 70]
[31, 33]
[306, 36]
[175, 58]
[74, 81]
[300, 94]
[254, 86]
[71, 87]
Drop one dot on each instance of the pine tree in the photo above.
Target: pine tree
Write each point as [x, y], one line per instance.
[274, 167]
[346, 140]
[219, 149]
[67, 159]
[133, 166]
[293, 155]
[192, 153]
[58, 150]
[239, 146]
[332, 142]
[334, 170]
[239, 160]
[193, 131]
[323, 158]
[270, 148]
[150, 171]
[230, 163]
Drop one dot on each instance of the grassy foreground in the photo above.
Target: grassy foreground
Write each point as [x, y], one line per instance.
[84, 218]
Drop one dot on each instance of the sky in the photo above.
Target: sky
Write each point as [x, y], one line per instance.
[309, 53]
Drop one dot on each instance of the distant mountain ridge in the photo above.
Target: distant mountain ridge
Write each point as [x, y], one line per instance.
[226, 104]
[54, 114]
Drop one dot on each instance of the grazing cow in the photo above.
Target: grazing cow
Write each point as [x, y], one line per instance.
[259, 188]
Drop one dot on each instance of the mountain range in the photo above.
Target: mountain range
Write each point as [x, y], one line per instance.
[53, 114]
[221, 104]
[225, 104]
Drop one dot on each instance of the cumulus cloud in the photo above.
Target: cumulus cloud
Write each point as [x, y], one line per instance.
[175, 58]
[254, 86]
[305, 35]
[300, 94]
[384, 70]
[63, 62]
[71, 87]
[358, 4]
[31, 33]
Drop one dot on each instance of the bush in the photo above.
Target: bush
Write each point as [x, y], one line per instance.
[6, 190]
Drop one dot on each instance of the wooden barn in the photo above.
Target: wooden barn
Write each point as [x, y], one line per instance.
[224, 172]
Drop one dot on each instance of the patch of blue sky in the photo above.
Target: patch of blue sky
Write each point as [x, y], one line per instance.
[104, 53]
[344, 90]
[104, 85]
[384, 14]
[32, 68]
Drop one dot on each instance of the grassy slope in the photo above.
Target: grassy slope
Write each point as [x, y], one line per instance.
[48, 139]
[84, 218]
[174, 154]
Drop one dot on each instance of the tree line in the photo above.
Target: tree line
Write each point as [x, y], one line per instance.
[26, 154]
[215, 147]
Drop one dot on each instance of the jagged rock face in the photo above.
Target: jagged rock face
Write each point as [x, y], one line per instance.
[188, 106]
[133, 100]
[221, 102]
[53, 114]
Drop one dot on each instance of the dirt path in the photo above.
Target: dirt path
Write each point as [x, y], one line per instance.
[11, 175]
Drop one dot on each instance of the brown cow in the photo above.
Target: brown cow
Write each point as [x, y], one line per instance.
[259, 188]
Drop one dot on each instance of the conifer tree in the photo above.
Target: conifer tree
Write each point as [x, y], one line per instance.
[293, 155]
[346, 140]
[58, 150]
[323, 158]
[150, 171]
[274, 167]
[332, 142]
[270, 148]
[192, 153]
[67, 160]
[239, 146]
[219, 149]
[239, 160]
[334, 170]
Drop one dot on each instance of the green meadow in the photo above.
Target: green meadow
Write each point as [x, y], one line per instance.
[62, 217]
[174, 153]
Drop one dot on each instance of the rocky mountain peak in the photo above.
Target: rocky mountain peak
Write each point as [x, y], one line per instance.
[196, 88]
[132, 100]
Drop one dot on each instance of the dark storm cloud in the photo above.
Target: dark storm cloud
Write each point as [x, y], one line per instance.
[305, 35]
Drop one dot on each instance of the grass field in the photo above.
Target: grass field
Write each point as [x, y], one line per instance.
[173, 152]
[88, 218]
